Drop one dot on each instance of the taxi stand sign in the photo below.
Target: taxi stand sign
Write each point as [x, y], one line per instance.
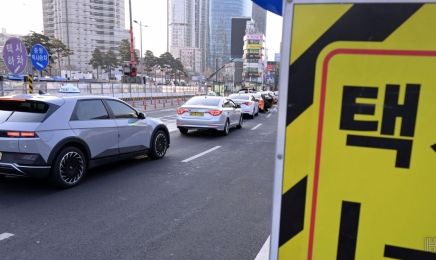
[15, 55]
[39, 57]
[356, 143]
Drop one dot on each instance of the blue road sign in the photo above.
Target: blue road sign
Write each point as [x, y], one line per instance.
[39, 57]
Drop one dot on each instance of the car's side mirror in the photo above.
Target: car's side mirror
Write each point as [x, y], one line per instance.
[141, 115]
[238, 106]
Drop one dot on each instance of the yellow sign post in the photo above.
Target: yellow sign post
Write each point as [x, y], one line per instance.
[356, 146]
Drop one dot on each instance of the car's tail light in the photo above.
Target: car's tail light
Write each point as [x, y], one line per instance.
[181, 110]
[12, 99]
[20, 134]
[248, 103]
[27, 134]
[214, 112]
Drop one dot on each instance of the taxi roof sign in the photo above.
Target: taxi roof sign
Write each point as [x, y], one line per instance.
[69, 88]
[355, 142]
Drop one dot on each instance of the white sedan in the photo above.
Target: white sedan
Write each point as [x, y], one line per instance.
[213, 113]
[247, 102]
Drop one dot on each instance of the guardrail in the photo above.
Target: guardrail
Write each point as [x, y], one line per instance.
[125, 91]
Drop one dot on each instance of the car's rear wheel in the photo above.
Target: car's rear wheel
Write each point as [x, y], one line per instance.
[68, 168]
[226, 128]
[159, 145]
[183, 131]
[239, 126]
[257, 112]
[252, 114]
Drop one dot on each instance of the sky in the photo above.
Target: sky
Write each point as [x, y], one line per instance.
[22, 16]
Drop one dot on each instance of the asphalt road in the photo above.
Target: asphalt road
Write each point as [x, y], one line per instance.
[216, 206]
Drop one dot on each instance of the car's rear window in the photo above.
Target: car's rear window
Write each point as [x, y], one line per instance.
[203, 101]
[238, 96]
[22, 110]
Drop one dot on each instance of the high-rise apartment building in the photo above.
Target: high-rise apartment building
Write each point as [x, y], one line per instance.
[221, 14]
[188, 32]
[84, 25]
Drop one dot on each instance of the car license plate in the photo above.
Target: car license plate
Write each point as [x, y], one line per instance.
[196, 114]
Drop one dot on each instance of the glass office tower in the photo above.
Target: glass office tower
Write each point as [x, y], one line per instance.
[220, 23]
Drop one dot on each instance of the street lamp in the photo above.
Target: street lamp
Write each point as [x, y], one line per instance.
[140, 36]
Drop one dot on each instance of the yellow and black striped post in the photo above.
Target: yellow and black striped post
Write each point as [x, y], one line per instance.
[30, 84]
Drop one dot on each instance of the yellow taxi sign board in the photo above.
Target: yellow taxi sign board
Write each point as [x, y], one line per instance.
[354, 176]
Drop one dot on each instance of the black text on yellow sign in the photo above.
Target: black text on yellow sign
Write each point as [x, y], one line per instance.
[392, 110]
[360, 141]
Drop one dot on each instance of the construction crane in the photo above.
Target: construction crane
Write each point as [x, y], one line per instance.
[130, 68]
[213, 74]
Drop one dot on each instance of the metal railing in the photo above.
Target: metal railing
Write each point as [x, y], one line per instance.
[119, 90]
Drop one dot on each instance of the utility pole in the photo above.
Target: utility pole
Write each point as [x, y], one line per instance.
[142, 60]
[142, 65]
[132, 49]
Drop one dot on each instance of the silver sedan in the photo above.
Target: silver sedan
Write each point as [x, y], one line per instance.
[209, 113]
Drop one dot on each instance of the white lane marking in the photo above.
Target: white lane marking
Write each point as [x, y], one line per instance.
[269, 115]
[254, 128]
[5, 235]
[264, 252]
[201, 154]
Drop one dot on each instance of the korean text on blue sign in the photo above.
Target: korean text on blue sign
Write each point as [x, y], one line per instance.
[39, 57]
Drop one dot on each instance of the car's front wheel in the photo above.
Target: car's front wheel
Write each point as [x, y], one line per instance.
[159, 145]
[68, 168]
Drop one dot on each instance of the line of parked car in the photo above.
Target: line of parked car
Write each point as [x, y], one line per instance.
[59, 137]
[216, 113]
